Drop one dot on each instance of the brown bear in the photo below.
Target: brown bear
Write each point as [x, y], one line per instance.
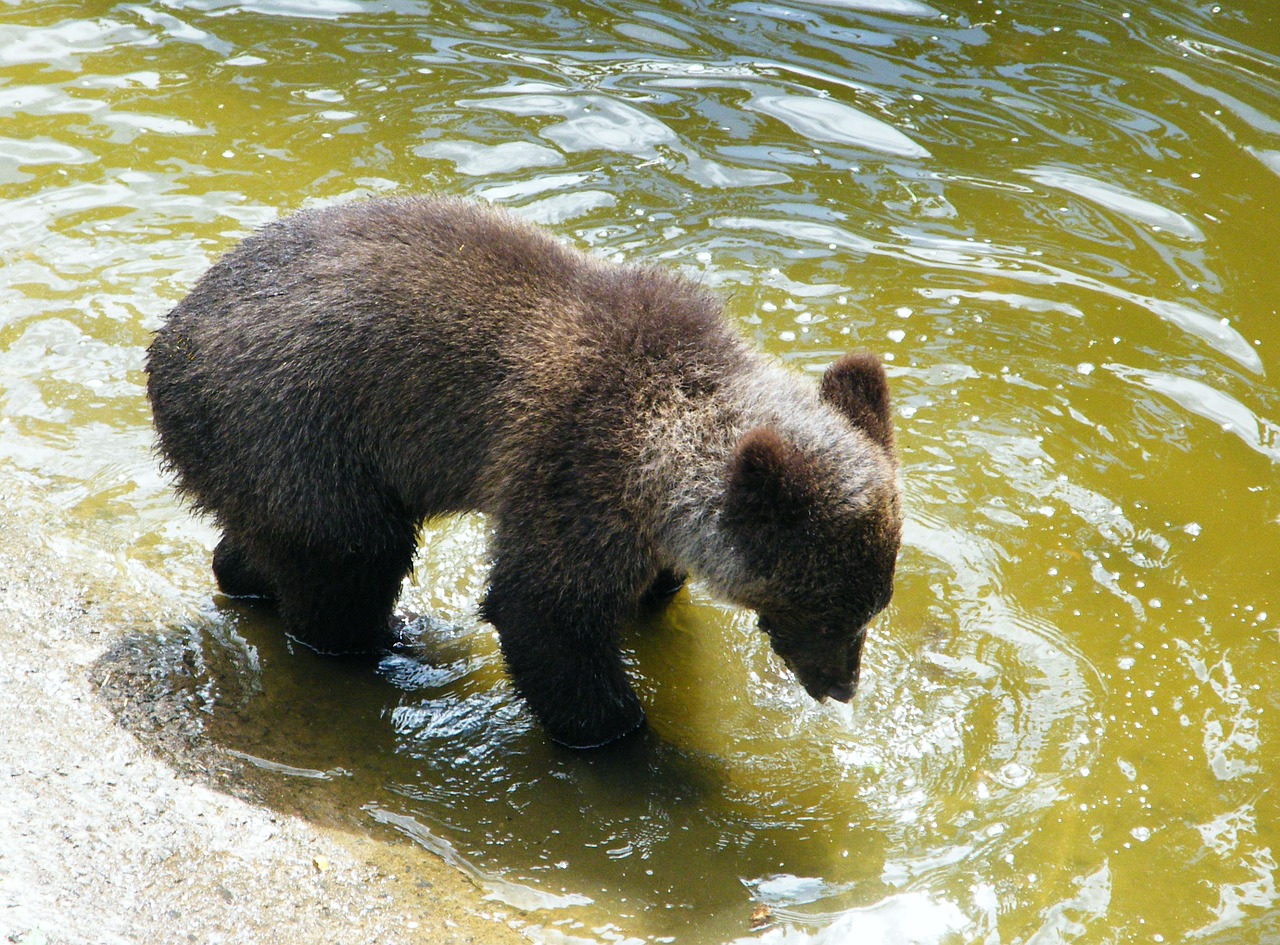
[344, 375]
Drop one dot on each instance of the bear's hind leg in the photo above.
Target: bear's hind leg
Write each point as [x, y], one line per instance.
[342, 605]
[237, 576]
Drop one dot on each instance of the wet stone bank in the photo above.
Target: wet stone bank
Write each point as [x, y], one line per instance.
[121, 823]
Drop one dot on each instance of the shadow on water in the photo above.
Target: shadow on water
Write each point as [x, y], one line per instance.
[647, 835]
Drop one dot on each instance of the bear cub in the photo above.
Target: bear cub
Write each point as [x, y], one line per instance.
[344, 375]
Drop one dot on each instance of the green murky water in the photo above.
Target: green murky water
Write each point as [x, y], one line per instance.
[1057, 223]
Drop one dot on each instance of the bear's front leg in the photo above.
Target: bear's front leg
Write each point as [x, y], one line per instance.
[572, 680]
[559, 636]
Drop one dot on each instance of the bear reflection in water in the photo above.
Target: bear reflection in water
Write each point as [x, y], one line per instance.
[344, 375]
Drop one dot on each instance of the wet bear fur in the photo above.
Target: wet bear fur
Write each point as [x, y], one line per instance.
[346, 374]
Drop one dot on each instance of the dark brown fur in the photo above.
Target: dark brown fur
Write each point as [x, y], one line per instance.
[344, 375]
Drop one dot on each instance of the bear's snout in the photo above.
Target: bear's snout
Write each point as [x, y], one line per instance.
[831, 672]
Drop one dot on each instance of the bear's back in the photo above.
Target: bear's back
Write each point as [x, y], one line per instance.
[367, 340]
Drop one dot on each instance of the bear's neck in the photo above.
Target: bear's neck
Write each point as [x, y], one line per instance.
[688, 448]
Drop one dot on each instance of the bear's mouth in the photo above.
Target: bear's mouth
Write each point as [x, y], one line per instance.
[842, 692]
[821, 685]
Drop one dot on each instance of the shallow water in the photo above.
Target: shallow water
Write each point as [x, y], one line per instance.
[1054, 221]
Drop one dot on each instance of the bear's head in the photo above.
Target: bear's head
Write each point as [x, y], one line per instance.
[816, 521]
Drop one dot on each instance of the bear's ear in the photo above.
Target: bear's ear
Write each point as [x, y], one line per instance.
[856, 385]
[767, 477]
